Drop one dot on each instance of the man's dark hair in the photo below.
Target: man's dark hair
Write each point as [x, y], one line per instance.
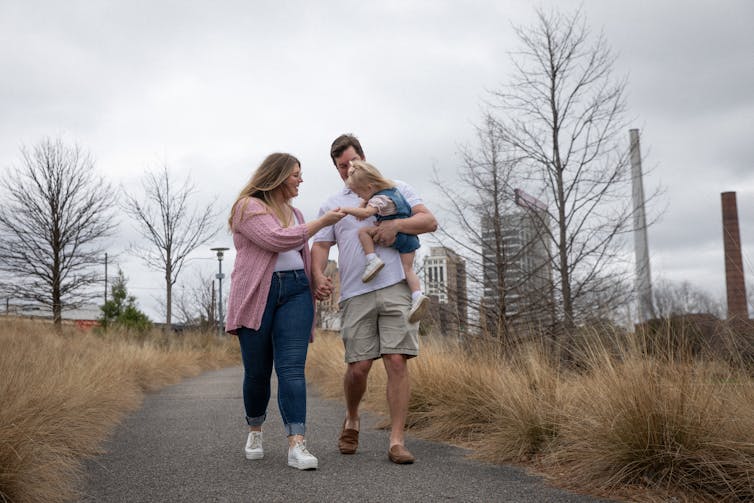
[341, 143]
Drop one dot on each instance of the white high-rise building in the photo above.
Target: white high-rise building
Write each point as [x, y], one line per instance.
[445, 281]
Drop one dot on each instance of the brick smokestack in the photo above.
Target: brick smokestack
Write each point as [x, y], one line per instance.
[734, 271]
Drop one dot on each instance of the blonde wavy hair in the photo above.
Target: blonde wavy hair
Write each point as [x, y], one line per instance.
[268, 178]
[361, 174]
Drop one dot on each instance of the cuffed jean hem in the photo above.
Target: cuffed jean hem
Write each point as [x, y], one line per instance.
[256, 421]
[295, 429]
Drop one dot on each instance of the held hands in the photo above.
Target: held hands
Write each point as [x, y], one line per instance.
[322, 286]
[332, 216]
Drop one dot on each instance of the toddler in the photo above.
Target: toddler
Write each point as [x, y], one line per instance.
[383, 201]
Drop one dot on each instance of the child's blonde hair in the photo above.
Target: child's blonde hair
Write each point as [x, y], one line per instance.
[361, 174]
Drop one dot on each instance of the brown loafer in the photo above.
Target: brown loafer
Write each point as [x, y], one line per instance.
[398, 454]
[348, 441]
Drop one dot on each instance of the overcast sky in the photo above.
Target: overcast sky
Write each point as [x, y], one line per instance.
[210, 88]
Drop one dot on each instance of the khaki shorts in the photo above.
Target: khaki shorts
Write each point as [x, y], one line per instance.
[376, 323]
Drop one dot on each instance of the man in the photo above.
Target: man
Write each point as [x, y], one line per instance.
[374, 314]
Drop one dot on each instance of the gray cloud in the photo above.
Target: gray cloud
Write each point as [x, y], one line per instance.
[212, 88]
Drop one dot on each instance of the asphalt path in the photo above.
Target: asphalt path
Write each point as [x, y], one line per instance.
[186, 444]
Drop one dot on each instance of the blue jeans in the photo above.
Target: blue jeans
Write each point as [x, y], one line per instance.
[282, 339]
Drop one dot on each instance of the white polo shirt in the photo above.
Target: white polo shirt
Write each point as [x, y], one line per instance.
[351, 257]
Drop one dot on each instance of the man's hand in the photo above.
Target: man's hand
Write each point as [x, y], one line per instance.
[385, 233]
[419, 222]
[322, 286]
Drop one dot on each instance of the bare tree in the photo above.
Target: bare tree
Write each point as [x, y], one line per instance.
[486, 227]
[196, 302]
[165, 218]
[608, 300]
[672, 298]
[53, 216]
[562, 117]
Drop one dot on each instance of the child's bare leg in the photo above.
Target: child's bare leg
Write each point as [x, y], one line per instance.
[407, 260]
[366, 238]
[419, 302]
[373, 262]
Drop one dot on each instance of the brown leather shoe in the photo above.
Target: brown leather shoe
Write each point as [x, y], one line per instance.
[348, 441]
[400, 455]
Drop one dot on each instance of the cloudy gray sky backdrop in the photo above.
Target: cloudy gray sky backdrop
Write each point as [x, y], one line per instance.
[210, 88]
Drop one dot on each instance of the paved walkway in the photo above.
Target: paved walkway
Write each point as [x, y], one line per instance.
[186, 444]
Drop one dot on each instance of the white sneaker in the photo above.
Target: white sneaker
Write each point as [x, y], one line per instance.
[253, 447]
[299, 457]
[372, 268]
[418, 309]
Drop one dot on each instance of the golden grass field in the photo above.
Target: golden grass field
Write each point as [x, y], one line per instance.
[625, 425]
[62, 394]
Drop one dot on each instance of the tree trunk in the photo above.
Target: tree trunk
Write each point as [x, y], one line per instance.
[168, 299]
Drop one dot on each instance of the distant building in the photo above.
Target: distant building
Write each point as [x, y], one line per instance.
[328, 311]
[526, 266]
[84, 317]
[445, 283]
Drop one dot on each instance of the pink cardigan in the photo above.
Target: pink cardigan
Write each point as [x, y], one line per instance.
[258, 238]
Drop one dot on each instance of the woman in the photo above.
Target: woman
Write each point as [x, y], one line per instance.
[270, 305]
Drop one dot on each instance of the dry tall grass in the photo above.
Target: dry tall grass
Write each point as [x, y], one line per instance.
[62, 394]
[625, 424]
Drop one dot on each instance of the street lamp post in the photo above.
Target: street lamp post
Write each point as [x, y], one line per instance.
[220, 277]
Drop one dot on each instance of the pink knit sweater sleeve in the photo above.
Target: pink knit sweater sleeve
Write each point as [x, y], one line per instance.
[260, 226]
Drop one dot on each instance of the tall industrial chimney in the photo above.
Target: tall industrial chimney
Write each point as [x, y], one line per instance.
[735, 286]
[641, 248]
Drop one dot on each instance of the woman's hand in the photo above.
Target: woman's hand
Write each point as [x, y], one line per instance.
[332, 217]
[322, 286]
[326, 220]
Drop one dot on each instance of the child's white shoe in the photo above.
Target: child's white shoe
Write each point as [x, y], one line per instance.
[373, 266]
[418, 309]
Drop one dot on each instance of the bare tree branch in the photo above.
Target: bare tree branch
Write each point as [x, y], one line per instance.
[195, 304]
[54, 213]
[509, 286]
[563, 113]
[678, 298]
[164, 217]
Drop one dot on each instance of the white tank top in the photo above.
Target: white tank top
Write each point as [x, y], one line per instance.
[290, 260]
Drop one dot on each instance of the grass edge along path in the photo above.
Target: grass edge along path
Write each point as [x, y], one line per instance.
[625, 425]
[62, 394]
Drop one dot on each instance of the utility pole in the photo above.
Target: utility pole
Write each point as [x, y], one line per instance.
[212, 309]
[220, 276]
[105, 277]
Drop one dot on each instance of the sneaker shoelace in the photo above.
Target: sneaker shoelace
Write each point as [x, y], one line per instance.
[256, 441]
[302, 448]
